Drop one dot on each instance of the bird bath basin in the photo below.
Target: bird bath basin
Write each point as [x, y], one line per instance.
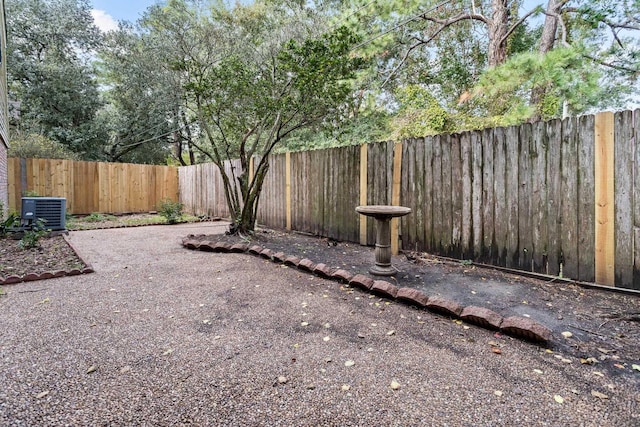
[383, 214]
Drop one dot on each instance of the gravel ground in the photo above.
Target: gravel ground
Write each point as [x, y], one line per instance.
[163, 336]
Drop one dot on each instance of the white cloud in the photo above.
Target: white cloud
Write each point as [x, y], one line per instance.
[103, 20]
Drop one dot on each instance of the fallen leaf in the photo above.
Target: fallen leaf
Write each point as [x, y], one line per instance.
[537, 371]
[548, 351]
[44, 301]
[599, 395]
[619, 366]
[496, 350]
[92, 369]
[463, 327]
[42, 394]
[349, 363]
[600, 374]
[567, 334]
[390, 333]
[395, 385]
[635, 367]
[558, 398]
[296, 345]
[498, 393]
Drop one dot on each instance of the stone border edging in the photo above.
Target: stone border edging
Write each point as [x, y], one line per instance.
[516, 326]
[32, 277]
[215, 219]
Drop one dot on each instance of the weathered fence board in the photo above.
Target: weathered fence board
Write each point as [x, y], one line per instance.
[525, 234]
[512, 147]
[586, 198]
[466, 232]
[636, 199]
[624, 170]
[91, 186]
[569, 198]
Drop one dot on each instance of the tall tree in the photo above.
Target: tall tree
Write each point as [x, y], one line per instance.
[413, 40]
[145, 115]
[51, 80]
[256, 74]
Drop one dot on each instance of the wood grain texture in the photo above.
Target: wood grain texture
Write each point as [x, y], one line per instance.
[605, 199]
[623, 198]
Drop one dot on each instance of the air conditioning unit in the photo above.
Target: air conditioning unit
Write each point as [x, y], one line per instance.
[50, 209]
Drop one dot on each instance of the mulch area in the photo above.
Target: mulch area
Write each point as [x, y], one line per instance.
[52, 254]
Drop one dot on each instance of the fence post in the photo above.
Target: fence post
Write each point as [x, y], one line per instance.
[605, 199]
[395, 195]
[288, 188]
[364, 159]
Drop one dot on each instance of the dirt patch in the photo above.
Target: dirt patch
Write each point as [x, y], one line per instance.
[604, 325]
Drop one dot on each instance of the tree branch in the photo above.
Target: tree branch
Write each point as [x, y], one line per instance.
[610, 65]
[405, 57]
[461, 17]
[519, 22]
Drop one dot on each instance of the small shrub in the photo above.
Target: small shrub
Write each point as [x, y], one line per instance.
[170, 210]
[31, 238]
[7, 222]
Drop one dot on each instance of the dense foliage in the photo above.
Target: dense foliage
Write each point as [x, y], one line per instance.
[204, 80]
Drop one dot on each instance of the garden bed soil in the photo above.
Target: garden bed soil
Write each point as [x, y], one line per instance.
[52, 254]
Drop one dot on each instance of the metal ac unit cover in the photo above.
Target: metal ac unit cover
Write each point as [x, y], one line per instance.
[50, 209]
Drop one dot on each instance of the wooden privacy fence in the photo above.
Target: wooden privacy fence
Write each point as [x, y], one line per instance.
[91, 186]
[555, 197]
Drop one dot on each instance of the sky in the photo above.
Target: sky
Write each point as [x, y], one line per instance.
[107, 13]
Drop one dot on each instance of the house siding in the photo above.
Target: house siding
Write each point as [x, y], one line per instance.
[4, 116]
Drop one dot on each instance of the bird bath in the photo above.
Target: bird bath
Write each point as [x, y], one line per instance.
[383, 214]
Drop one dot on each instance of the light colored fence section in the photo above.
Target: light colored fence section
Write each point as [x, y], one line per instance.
[91, 186]
[521, 197]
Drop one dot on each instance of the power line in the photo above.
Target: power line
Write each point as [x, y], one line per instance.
[352, 14]
[155, 137]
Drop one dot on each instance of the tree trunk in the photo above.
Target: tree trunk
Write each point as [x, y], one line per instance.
[245, 221]
[548, 37]
[547, 43]
[498, 27]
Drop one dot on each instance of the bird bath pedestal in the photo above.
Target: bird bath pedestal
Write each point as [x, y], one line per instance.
[383, 214]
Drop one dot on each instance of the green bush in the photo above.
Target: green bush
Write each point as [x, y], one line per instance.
[170, 210]
[31, 238]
